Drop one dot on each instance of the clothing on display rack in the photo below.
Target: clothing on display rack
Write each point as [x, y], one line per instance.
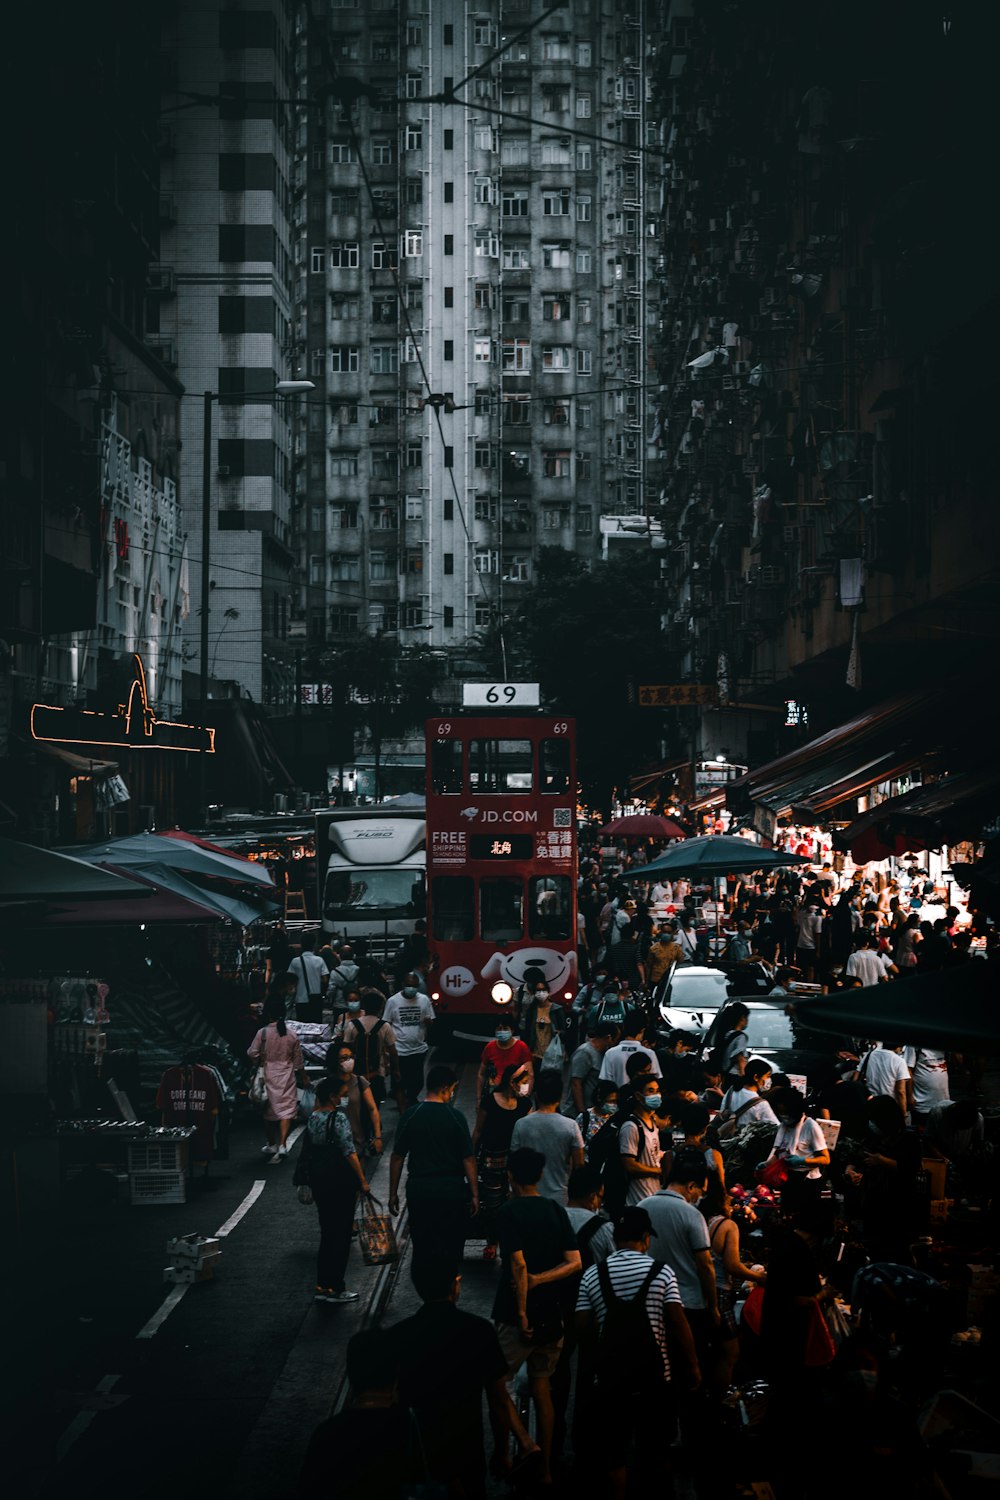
[189, 1094]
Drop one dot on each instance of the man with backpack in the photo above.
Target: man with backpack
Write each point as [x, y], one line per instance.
[632, 1330]
[373, 1043]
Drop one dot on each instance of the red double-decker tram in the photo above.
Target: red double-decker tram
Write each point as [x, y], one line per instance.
[501, 862]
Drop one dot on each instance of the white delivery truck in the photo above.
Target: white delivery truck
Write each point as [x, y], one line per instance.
[371, 869]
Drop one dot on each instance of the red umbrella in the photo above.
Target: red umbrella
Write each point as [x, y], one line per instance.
[643, 826]
[192, 838]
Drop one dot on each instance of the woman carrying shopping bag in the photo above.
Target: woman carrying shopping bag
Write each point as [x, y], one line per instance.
[329, 1168]
[277, 1053]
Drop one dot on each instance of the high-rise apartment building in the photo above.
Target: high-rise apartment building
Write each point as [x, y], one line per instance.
[471, 248]
[224, 321]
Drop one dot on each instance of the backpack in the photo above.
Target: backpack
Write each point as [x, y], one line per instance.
[604, 1153]
[586, 1233]
[368, 1048]
[628, 1356]
[321, 1157]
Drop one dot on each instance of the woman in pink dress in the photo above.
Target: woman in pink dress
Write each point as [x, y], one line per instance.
[277, 1050]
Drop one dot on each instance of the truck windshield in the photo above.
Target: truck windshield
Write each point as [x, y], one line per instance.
[377, 893]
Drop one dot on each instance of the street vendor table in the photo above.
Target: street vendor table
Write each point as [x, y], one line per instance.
[154, 1159]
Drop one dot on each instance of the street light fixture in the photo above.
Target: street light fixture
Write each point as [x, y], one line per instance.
[282, 388]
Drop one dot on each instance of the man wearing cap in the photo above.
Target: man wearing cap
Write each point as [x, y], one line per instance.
[626, 1404]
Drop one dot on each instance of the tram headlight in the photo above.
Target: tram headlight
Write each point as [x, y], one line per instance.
[502, 993]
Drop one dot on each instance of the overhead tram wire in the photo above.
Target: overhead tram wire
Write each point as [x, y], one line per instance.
[415, 343]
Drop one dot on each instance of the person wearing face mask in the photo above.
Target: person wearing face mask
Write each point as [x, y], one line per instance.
[411, 1016]
[543, 1020]
[329, 1165]
[682, 1242]
[499, 1111]
[502, 1052]
[596, 1115]
[373, 1043]
[362, 1111]
[442, 1185]
[639, 1141]
[801, 1145]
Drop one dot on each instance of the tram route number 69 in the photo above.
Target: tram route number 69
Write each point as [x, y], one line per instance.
[500, 695]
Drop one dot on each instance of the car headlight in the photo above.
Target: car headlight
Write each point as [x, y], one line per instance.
[502, 993]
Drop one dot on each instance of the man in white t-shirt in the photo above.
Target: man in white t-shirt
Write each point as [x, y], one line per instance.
[311, 979]
[411, 1015]
[865, 963]
[613, 1064]
[929, 1073]
[639, 1142]
[883, 1071]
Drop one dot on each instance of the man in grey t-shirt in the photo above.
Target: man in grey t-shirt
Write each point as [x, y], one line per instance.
[585, 1069]
[558, 1139]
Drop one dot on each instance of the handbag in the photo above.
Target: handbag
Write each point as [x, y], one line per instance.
[555, 1054]
[376, 1236]
[774, 1173]
[258, 1087]
[304, 1193]
[820, 1349]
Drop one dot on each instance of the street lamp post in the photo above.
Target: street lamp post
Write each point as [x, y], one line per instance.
[283, 388]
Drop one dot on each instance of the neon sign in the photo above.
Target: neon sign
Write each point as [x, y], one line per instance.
[133, 725]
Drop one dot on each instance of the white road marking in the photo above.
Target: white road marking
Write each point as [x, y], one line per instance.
[82, 1420]
[245, 1207]
[163, 1312]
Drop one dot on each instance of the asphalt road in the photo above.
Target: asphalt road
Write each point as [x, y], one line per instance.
[115, 1388]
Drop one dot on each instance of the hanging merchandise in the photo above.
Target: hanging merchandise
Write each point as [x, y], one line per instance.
[189, 1095]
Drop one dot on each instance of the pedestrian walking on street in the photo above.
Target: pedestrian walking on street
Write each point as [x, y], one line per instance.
[442, 1190]
[362, 1110]
[499, 1111]
[367, 1450]
[373, 1041]
[311, 978]
[329, 1166]
[277, 1051]
[411, 1016]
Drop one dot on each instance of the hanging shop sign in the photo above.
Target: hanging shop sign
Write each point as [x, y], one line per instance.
[669, 695]
[133, 725]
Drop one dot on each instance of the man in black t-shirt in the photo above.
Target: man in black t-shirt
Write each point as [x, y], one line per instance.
[367, 1449]
[442, 1189]
[539, 1251]
[448, 1359]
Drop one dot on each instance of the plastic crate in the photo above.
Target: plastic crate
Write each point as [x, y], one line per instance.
[157, 1156]
[157, 1187]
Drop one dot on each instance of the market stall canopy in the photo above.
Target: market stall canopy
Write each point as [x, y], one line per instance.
[950, 1008]
[718, 854]
[193, 838]
[220, 897]
[28, 873]
[939, 812]
[643, 826]
[144, 851]
[157, 906]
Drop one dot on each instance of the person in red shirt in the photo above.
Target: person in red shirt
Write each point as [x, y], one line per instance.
[498, 1055]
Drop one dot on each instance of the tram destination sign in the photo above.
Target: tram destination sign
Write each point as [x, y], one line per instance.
[500, 695]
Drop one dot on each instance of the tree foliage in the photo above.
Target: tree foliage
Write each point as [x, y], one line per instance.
[590, 637]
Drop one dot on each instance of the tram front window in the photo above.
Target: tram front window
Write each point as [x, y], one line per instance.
[498, 766]
[501, 911]
[550, 907]
[454, 913]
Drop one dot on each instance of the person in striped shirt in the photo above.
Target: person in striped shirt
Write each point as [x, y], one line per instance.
[642, 1410]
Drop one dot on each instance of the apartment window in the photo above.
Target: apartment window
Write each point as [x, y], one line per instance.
[383, 517]
[449, 192]
[449, 140]
[413, 560]
[584, 520]
[556, 257]
[487, 243]
[584, 414]
[583, 260]
[516, 258]
[584, 310]
[413, 192]
[345, 255]
[556, 153]
[345, 567]
[383, 256]
[317, 568]
[556, 414]
[556, 358]
[414, 507]
[555, 309]
[553, 519]
[381, 565]
[448, 564]
[483, 404]
[483, 616]
[448, 36]
[584, 208]
[344, 517]
[385, 308]
[517, 355]
[344, 359]
[583, 106]
[485, 456]
[584, 54]
[345, 415]
[343, 463]
[345, 201]
[382, 152]
[555, 202]
[448, 620]
[344, 307]
[317, 362]
[556, 463]
[412, 89]
[484, 138]
[246, 315]
[341, 153]
[449, 244]
[317, 258]
[485, 508]
[517, 568]
[483, 34]
[343, 621]
[515, 412]
[414, 138]
[385, 463]
[482, 351]
[584, 156]
[414, 455]
[515, 152]
[449, 456]
[383, 51]
[412, 350]
[413, 243]
[449, 349]
[583, 466]
[584, 362]
[514, 203]
[414, 296]
[555, 101]
[414, 33]
[556, 49]
[486, 560]
[412, 617]
[516, 309]
[517, 463]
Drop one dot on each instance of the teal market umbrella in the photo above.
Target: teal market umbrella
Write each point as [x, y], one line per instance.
[143, 851]
[28, 873]
[950, 1008]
